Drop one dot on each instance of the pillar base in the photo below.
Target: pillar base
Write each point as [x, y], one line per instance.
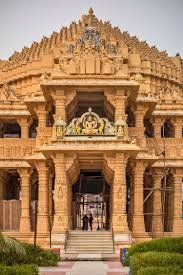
[58, 240]
[138, 237]
[122, 239]
[25, 225]
[42, 224]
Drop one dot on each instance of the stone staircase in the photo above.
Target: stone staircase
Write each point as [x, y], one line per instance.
[89, 242]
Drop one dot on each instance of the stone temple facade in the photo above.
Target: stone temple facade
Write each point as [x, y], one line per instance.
[91, 105]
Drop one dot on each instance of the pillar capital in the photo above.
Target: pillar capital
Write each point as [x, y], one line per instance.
[24, 123]
[24, 171]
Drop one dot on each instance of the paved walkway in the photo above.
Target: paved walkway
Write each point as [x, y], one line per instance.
[85, 268]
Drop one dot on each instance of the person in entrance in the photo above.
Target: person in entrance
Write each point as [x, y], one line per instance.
[85, 222]
[91, 221]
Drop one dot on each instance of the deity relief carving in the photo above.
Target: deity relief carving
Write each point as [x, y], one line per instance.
[120, 193]
[90, 124]
[59, 128]
[122, 129]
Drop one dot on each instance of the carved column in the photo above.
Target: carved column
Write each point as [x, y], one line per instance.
[70, 205]
[24, 124]
[42, 219]
[61, 222]
[119, 215]
[177, 216]
[138, 226]
[25, 222]
[139, 124]
[60, 104]
[42, 118]
[120, 104]
[178, 127]
[157, 127]
[157, 225]
[50, 198]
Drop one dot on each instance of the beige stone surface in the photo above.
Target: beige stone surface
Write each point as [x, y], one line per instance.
[54, 82]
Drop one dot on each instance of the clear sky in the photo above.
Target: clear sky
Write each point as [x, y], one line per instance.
[159, 22]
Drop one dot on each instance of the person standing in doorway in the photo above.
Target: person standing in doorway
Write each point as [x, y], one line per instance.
[91, 221]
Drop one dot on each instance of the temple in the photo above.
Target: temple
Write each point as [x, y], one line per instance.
[91, 121]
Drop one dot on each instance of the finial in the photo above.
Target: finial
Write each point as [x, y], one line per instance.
[90, 11]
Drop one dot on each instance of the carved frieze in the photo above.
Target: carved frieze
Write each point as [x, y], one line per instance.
[92, 54]
[15, 151]
[7, 93]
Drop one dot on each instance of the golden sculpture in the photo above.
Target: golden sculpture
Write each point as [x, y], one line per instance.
[90, 124]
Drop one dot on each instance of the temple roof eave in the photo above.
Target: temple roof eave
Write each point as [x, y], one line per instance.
[91, 82]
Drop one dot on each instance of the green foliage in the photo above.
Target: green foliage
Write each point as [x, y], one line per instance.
[13, 252]
[2, 242]
[169, 244]
[9, 244]
[154, 270]
[158, 259]
[43, 257]
[19, 270]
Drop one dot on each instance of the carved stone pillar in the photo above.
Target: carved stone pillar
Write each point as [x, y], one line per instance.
[157, 127]
[119, 215]
[178, 128]
[50, 198]
[25, 223]
[157, 225]
[177, 216]
[70, 205]
[42, 118]
[61, 222]
[120, 104]
[138, 226]
[139, 124]
[60, 104]
[24, 124]
[42, 219]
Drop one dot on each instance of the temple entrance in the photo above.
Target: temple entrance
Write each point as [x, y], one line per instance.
[91, 195]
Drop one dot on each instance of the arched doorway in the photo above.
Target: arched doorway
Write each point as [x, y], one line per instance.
[91, 194]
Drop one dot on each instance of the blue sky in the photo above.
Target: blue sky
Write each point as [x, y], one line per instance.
[159, 22]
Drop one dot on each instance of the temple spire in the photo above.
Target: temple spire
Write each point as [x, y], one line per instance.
[90, 12]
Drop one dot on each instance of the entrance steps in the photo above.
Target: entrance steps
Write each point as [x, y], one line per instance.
[89, 242]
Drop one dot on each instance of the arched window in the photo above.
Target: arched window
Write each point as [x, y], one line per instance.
[167, 130]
